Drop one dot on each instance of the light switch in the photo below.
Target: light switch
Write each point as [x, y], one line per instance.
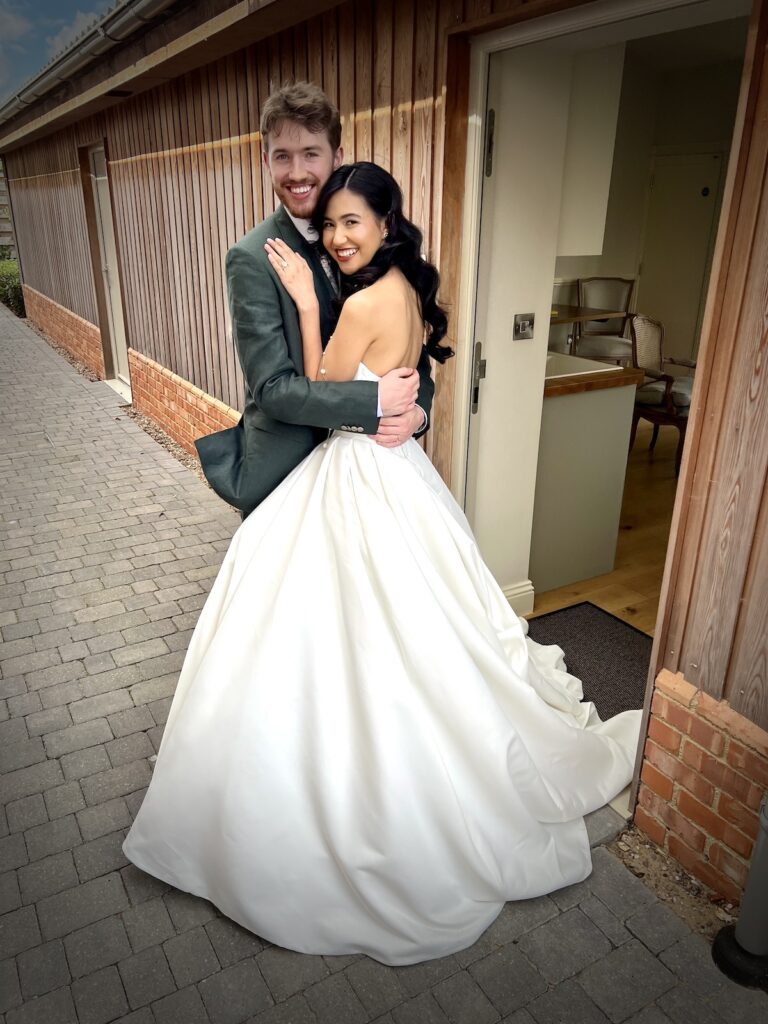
[522, 326]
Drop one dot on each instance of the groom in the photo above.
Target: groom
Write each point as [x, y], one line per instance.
[286, 414]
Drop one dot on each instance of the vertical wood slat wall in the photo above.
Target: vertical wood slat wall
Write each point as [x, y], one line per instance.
[187, 178]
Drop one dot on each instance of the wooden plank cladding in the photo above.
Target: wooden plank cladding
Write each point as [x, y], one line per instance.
[187, 178]
[52, 238]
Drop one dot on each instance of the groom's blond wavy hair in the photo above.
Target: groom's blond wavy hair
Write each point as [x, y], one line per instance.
[304, 104]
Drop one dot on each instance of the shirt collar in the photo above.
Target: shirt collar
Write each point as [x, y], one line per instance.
[304, 227]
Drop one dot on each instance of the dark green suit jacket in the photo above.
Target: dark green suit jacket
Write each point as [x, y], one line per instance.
[286, 415]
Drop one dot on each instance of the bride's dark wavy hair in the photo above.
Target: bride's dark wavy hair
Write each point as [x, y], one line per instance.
[401, 248]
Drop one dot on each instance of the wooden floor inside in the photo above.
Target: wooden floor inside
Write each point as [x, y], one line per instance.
[631, 591]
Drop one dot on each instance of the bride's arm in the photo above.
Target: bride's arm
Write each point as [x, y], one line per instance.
[354, 331]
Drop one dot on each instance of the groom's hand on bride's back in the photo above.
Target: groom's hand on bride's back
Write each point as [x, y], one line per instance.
[397, 391]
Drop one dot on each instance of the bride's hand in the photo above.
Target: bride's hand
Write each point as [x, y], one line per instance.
[294, 273]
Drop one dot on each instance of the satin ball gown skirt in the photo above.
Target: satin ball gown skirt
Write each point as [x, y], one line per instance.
[365, 752]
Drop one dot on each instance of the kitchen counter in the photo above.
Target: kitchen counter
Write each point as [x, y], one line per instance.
[583, 447]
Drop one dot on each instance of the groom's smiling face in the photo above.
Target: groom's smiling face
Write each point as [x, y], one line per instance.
[299, 162]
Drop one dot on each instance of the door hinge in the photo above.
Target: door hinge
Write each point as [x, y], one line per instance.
[478, 374]
[489, 141]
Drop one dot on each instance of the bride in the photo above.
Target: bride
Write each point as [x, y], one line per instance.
[365, 752]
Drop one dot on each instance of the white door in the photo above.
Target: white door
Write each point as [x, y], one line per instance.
[677, 250]
[529, 91]
[108, 250]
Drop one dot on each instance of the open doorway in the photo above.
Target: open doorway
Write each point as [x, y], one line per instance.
[605, 160]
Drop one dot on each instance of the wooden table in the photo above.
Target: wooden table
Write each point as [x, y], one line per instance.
[580, 314]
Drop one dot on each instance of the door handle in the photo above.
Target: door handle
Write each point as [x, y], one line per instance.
[478, 374]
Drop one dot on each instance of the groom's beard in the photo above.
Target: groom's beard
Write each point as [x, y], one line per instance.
[299, 205]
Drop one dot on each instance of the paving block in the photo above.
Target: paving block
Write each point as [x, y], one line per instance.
[97, 945]
[99, 998]
[55, 1007]
[626, 980]
[73, 651]
[293, 1011]
[43, 969]
[515, 919]
[191, 957]
[13, 852]
[149, 924]
[188, 911]
[141, 886]
[102, 819]
[82, 764]
[129, 748]
[100, 856]
[231, 942]
[25, 813]
[566, 1002]
[10, 992]
[55, 674]
[186, 1006]
[14, 730]
[657, 927]
[508, 979]
[47, 877]
[18, 931]
[237, 993]
[103, 642]
[50, 720]
[463, 1001]
[287, 972]
[52, 837]
[376, 985]
[605, 920]
[101, 662]
[417, 978]
[58, 696]
[146, 977]
[682, 1005]
[12, 686]
[24, 703]
[424, 1009]
[77, 737]
[653, 1015]
[141, 651]
[64, 913]
[21, 754]
[116, 782]
[64, 800]
[564, 945]
[10, 894]
[125, 723]
[617, 887]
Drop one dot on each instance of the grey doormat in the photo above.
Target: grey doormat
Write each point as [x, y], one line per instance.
[609, 656]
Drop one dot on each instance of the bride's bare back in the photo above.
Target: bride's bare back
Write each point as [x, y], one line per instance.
[388, 326]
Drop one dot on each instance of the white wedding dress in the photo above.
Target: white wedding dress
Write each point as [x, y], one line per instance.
[365, 753]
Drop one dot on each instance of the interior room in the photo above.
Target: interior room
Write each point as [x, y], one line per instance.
[675, 118]
[621, 153]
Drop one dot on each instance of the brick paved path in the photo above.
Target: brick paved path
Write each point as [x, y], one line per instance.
[108, 549]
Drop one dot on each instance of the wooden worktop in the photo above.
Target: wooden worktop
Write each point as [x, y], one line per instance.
[577, 382]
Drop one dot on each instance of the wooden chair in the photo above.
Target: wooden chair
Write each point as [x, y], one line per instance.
[662, 399]
[605, 339]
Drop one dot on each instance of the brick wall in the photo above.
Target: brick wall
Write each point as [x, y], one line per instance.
[181, 409]
[704, 773]
[79, 337]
